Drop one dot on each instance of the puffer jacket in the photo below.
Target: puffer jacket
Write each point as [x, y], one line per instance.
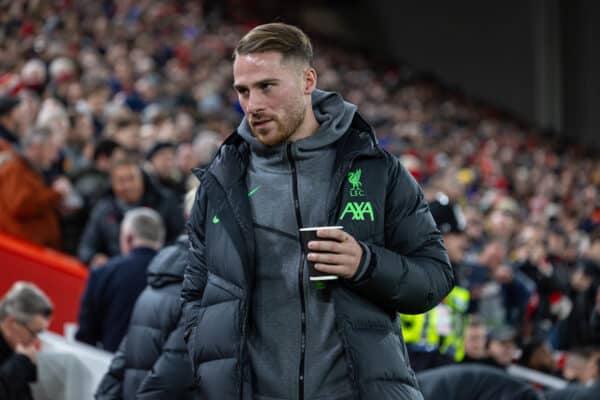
[152, 361]
[409, 270]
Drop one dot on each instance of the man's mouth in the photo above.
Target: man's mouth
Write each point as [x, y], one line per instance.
[260, 123]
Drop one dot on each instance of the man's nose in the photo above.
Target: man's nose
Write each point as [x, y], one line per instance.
[255, 103]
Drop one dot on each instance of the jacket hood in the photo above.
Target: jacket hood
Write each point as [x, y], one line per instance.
[168, 266]
[333, 114]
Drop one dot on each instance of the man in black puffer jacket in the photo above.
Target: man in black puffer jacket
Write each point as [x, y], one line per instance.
[152, 361]
[256, 326]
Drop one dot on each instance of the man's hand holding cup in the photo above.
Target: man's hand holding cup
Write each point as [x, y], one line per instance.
[332, 252]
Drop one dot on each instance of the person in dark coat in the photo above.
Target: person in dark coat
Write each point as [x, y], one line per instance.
[130, 188]
[91, 183]
[25, 311]
[256, 326]
[152, 360]
[112, 289]
[473, 382]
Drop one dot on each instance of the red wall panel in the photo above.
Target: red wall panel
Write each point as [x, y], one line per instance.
[61, 277]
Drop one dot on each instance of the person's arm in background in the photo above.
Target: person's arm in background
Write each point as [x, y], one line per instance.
[171, 375]
[412, 274]
[89, 314]
[111, 385]
[91, 248]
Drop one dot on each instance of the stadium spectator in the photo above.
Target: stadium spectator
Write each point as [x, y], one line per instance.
[29, 209]
[163, 368]
[576, 330]
[436, 338]
[537, 354]
[8, 119]
[25, 311]
[130, 188]
[501, 347]
[93, 182]
[111, 290]
[499, 293]
[315, 150]
[576, 361]
[162, 167]
[475, 340]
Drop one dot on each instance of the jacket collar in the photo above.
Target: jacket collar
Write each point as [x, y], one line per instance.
[225, 185]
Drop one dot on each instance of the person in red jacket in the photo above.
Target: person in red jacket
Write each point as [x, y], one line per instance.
[28, 206]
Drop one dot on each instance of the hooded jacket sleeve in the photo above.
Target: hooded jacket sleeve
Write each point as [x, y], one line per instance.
[412, 273]
[195, 277]
[170, 372]
[111, 385]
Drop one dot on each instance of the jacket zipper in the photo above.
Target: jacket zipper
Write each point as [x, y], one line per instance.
[300, 276]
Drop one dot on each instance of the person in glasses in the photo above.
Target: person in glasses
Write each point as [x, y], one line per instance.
[25, 312]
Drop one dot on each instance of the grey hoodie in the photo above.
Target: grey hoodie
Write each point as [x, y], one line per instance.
[274, 342]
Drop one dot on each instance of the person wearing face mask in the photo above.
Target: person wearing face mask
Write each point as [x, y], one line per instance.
[25, 311]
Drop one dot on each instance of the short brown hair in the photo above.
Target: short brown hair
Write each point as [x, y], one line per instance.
[286, 39]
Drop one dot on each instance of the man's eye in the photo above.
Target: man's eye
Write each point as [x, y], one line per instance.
[267, 86]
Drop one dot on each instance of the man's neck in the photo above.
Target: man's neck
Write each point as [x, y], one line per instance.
[309, 126]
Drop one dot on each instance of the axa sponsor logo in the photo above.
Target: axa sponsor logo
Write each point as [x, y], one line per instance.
[358, 210]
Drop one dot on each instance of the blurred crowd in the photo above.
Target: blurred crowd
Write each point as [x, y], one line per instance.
[107, 106]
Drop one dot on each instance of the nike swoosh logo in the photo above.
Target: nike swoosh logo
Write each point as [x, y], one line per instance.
[251, 193]
[216, 219]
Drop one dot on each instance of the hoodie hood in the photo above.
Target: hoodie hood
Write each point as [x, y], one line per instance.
[168, 266]
[333, 114]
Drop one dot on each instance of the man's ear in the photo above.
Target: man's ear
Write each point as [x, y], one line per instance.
[129, 238]
[310, 80]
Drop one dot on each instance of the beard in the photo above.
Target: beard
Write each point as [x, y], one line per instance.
[279, 129]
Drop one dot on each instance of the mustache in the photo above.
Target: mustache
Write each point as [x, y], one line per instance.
[258, 118]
